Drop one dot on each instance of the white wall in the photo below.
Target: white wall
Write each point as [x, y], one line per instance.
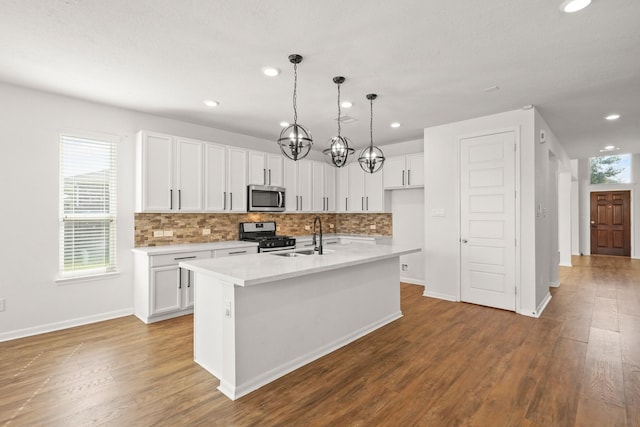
[585, 187]
[407, 207]
[565, 226]
[442, 255]
[30, 123]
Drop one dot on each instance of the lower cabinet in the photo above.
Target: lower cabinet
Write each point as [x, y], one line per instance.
[162, 289]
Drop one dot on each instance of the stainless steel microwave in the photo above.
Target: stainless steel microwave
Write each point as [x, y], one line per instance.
[265, 198]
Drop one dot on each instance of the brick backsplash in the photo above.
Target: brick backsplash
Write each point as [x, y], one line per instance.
[187, 228]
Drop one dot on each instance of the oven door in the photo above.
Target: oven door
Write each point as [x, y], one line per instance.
[265, 198]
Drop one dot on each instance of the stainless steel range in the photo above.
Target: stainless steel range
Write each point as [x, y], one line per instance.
[264, 233]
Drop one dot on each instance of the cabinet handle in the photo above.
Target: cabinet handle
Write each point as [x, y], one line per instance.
[179, 277]
[346, 201]
[224, 200]
[230, 201]
[171, 198]
[185, 257]
[409, 177]
[179, 199]
[362, 202]
[367, 202]
[300, 202]
[269, 176]
[237, 252]
[402, 177]
[264, 176]
[189, 279]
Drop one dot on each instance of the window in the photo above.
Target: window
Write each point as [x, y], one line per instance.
[87, 205]
[611, 169]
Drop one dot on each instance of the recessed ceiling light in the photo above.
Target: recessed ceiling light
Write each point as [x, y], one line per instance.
[346, 104]
[609, 147]
[211, 103]
[284, 124]
[395, 125]
[270, 71]
[570, 6]
[612, 117]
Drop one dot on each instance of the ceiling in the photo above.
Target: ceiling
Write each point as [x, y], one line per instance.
[429, 62]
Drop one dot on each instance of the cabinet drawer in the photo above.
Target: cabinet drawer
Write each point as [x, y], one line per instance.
[235, 251]
[174, 259]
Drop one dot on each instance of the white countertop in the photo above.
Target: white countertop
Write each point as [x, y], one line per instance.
[192, 247]
[254, 269]
[376, 237]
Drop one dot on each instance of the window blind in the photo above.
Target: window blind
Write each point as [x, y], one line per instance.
[87, 205]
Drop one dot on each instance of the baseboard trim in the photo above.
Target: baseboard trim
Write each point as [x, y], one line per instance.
[412, 281]
[565, 264]
[438, 295]
[554, 284]
[57, 326]
[543, 304]
[236, 392]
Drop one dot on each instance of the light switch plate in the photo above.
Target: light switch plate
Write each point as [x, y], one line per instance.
[206, 231]
[168, 233]
[158, 233]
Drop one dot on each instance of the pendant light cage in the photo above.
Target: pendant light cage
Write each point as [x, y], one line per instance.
[295, 140]
[338, 152]
[371, 158]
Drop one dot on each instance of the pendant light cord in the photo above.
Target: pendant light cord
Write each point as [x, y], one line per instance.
[295, 90]
[339, 111]
[371, 125]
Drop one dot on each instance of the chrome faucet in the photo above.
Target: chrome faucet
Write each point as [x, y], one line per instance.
[317, 248]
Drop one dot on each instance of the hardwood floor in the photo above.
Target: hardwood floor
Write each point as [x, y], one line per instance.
[442, 364]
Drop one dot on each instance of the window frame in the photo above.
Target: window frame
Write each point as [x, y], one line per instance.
[628, 156]
[78, 272]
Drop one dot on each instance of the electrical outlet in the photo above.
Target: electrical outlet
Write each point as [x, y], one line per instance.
[331, 226]
[307, 227]
[168, 233]
[2, 304]
[372, 227]
[206, 231]
[158, 233]
[405, 267]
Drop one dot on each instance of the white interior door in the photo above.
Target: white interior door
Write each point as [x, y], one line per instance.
[487, 216]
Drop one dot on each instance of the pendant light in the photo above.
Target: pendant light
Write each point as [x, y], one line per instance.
[339, 150]
[295, 141]
[371, 158]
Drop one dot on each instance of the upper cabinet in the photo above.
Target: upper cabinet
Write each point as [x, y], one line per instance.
[298, 181]
[404, 171]
[225, 178]
[365, 191]
[177, 174]
[324, 187]
[170, 173]
[265, 169]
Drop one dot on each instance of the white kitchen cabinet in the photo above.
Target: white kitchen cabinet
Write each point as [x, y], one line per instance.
[170, 173]
[324, 187]
[298, 182]
[404, 172]
[366, 193]
[236, 179]
[162, 289]
[265, 169]
[342, 189]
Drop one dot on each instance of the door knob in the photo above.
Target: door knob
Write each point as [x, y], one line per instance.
[464, 240]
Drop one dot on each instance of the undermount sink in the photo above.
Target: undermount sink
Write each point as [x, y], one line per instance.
[301, 253]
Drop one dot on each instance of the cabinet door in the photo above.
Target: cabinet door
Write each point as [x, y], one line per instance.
[342, 189]
[215, 182]
[186, 285]
[189, 175]
[305, 184]
[165, 291]
[415, 170]
[356, 188]
[330, 187]
[290, 174]
[275, 166]
[318, 203]
[394, 172]
[157, 172]
[257, 168]
[374, 192]
[237, 180]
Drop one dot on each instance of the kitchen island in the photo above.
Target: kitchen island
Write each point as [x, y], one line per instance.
[258, 317]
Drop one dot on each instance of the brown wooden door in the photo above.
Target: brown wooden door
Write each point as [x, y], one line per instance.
[611, 223]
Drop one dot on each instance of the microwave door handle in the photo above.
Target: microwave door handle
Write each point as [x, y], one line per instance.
[280, 199]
